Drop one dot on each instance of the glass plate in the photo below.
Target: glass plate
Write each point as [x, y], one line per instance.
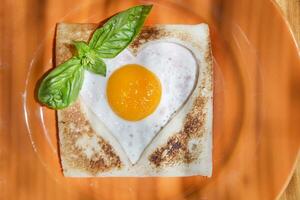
[256, 71]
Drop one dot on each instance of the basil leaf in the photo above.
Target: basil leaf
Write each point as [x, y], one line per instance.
[117, 33]
[92, 62]
[62, 85]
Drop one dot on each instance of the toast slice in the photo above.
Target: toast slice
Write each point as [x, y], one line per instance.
[182, 148]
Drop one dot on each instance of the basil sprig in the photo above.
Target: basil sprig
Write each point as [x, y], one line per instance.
[62, 85]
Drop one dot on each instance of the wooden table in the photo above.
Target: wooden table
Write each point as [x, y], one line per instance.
[291, 9]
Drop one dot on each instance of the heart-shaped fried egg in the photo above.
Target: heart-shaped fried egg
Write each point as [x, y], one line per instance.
[141, 93]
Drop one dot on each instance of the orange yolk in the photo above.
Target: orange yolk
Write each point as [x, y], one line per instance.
[133, 92]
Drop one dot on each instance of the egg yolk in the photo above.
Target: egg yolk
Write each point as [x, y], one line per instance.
[133, 92]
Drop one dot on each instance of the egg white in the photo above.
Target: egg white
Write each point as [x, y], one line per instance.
[176, 68]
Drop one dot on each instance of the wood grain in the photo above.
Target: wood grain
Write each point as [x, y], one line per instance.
[292, 192]
[291, 10]
[27, 171]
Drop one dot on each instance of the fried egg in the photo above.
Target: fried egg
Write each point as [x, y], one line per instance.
[141, 92]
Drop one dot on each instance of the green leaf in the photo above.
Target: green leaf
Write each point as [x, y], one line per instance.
[119, 31]
[92, 62]
[61, 86]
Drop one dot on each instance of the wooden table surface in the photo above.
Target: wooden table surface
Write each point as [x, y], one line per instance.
[291, 9]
